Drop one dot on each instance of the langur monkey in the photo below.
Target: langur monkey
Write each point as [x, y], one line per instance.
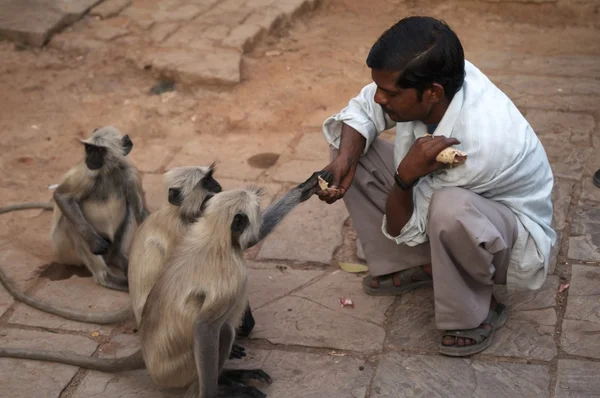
[188, 322]
[97, 208]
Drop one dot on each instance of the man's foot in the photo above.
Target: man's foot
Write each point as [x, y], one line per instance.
[465, 342]
[398, 282]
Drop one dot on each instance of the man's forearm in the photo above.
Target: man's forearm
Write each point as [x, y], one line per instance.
[352, 145]
[398, 209]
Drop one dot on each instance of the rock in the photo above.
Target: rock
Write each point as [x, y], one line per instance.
[401, 375]
[585, 220]
[582, 316]
[327, 292]
[77, 293]
[413, 328]
[216, 33]
[304, 375]
[297, 321]
[6, 300]
[109, 8]
[243, 37]
[577, 379]
[184, 12]
[292, 8]
[130, 384]
[193, 67]
[269, 18]
[311, 232]
[584, 248]
[161, 31]
[266, 285]
[39, 379]
[298, 171]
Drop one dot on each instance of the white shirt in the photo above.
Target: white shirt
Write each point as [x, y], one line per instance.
[506, 162]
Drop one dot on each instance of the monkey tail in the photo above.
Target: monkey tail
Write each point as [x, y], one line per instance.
[104, 318]
[131, 362]
[26, 206]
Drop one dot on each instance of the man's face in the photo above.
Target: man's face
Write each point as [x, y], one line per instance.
[400, 104]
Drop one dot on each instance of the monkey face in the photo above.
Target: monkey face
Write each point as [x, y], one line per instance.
[94, 156]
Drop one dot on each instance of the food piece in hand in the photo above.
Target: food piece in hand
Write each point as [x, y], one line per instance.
[451, 156]
[322, 183]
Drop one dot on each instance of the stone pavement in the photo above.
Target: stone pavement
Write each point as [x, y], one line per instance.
[190, 41]
[312, 347]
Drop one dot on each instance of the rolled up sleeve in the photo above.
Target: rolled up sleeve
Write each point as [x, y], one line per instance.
[362, 114]
[415, 231]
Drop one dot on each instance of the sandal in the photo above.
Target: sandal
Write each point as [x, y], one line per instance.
[410, 279]
[596, 178]
[481, 336]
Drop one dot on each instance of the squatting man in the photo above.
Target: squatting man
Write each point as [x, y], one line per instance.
[462, 227]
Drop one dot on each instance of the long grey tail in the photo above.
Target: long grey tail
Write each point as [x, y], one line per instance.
[26, 206]
[130, 362]
[74, 315]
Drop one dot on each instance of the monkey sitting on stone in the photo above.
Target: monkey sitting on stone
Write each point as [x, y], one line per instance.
[97, 208]
[188, 322]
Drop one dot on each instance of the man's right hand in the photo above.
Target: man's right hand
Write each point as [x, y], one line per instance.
[343, 170]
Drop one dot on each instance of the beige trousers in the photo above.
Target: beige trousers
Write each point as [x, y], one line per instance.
[470, 240]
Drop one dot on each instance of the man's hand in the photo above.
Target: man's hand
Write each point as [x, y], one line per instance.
[420, 159]
[343, 170]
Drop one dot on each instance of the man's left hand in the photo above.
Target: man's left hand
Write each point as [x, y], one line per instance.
[420, 159]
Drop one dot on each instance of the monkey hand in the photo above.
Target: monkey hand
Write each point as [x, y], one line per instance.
[99, 245]
[309, 187]
[237, 352]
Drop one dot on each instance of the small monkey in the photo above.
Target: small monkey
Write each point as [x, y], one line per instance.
[97, 207]
[188, 322]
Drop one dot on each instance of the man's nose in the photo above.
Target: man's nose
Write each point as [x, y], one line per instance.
[380, 98]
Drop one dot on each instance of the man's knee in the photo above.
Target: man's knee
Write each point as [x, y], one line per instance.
[445, 209]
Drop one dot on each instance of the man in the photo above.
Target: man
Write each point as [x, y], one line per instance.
[463, 228]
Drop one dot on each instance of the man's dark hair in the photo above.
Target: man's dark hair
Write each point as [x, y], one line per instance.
[425, 51]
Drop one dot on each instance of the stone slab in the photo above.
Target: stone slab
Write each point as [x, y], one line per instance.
[586, 66]
[107, 32]
[585, 220]
[566, 103]
[151, 156]
[32, 22]
[33, 234]
[34, 378]
[6, 300]
[311, 232]
[584, 248]
[327, 292]
[197, 67]
[561, 200]
[400, 375]
[155, 191]
[413, 328]
[303, 375]
[546, 86]
[267, 285]
[21, 266]
[561, 126]
[577, 379]
[298, 321]
[489, 60]
[526, 334]
[161, 31]
[297, 171]
[220, 149]
[77, 293]
[130, 384]
[567, 161]
[109, 8]
[312, 146]
[243, 37]
[581, 338]
[544, 297]
[590, 194]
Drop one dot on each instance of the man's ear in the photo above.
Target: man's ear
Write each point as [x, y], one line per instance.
[436, 93]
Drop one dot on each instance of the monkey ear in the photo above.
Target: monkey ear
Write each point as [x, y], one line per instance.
[127, 144]
[175, 196]
[239, 224]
